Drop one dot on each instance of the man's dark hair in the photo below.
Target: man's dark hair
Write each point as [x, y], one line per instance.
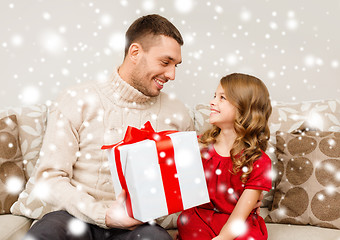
[150, 25]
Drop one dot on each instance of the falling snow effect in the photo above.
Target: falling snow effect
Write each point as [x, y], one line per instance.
[14, 185]
[238, 227]
[296, 55]
[76, 227]
[46, 50]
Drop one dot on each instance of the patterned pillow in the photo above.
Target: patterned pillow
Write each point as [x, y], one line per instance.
[32, 124]
[201, 118]
[308, 184]
[11, 166]
[286, 117]
[30, 203]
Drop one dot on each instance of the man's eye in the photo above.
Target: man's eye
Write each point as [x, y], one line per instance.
[165, 62]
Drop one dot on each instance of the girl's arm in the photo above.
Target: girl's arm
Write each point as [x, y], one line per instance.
[236, 221]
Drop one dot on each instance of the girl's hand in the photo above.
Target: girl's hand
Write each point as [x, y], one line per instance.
[218, 237]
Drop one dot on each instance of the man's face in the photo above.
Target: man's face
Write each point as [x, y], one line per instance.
[156, 66]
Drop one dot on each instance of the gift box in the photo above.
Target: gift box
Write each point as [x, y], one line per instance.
[161, 172]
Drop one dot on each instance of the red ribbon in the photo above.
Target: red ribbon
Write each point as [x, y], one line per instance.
[165, 152]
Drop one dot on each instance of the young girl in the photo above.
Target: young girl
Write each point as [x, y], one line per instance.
[236, 167]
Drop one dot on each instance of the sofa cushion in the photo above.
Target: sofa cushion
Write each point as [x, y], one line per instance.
[289, 232]
[169, 221]
[278, 231]
[32, 124]
[307, 188]
[14, 227]
[11, 165]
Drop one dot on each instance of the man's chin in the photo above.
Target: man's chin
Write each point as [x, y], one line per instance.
[156, 91]
[153, 94]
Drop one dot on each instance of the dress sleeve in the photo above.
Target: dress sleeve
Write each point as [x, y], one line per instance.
[260, 177]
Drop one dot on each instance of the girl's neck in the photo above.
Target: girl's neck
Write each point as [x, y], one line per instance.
[224, 142]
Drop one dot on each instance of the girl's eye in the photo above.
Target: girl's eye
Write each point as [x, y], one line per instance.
[223, 98]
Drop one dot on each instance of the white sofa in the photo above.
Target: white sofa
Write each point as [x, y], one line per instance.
[285, 117]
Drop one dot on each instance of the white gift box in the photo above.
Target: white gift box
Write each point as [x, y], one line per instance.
[142, 172]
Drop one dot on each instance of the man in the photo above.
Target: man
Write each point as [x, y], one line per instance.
[73, 167]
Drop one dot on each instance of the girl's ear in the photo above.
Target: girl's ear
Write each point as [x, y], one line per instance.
[134, 52]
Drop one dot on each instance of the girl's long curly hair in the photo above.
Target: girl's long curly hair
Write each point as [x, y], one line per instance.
[251, 98]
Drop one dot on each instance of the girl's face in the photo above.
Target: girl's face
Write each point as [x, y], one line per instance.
[222, 112]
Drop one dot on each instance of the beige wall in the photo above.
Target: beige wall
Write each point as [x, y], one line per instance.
[293, 46]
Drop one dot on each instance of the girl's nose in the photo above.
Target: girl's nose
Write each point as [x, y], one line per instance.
[212, 102]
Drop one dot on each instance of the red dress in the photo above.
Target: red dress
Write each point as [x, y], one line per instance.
[206, 221]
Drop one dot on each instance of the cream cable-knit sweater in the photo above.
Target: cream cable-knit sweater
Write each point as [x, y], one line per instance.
[86, 117]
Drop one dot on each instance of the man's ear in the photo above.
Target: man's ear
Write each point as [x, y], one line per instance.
[135, 50]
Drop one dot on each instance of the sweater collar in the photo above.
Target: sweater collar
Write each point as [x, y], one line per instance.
[123, 94]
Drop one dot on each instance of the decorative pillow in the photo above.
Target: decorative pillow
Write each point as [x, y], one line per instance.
[32, 124]
[308, 184]
[11, 166]
[322, 115]
[168, 222]
[201, 118]
[30, 203]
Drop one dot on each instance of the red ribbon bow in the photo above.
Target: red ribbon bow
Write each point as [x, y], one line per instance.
[133, 135]
[165, 152]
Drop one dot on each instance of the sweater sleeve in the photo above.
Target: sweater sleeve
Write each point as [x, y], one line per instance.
[58, 156]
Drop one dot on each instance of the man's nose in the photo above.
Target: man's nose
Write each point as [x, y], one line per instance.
[170, 73]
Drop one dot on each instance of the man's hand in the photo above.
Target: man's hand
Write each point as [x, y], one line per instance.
[116, 216]
[258, 204]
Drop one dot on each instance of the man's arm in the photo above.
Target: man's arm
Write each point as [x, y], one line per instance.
[60, 152]
[55, 170]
